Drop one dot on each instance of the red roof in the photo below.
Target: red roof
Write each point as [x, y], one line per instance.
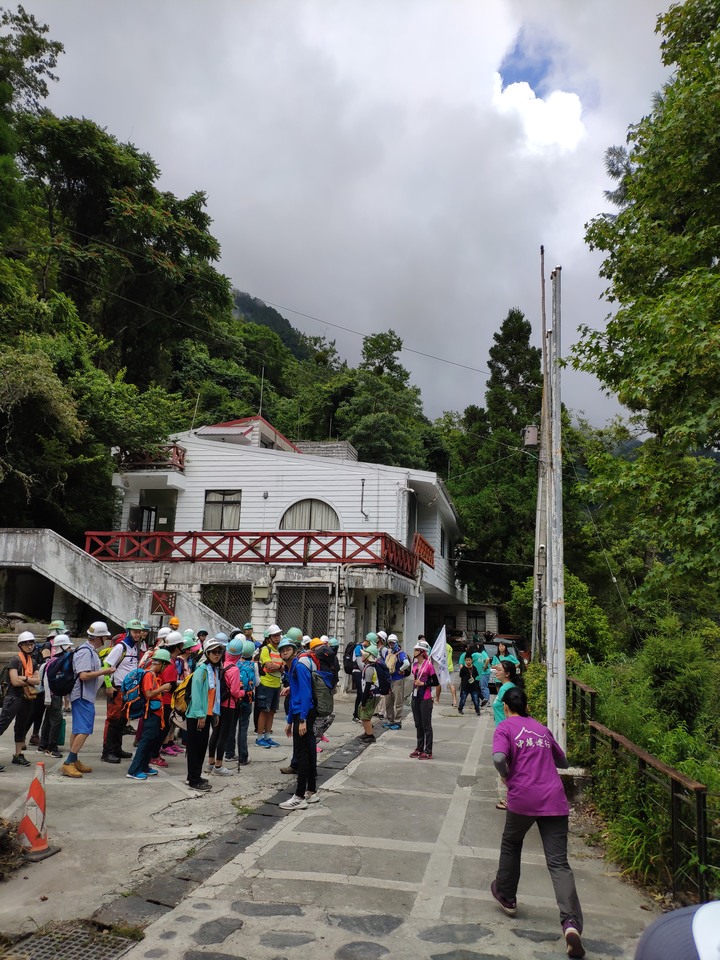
[252, 420]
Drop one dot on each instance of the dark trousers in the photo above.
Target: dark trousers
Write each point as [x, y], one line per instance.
[38, 712]
[554, 835]
[474, 695]
[152, 729]
[221, 731]
[161, 734]
[243, 712]
[305, 750]
[51, 724]
[422, 715]
[20, 710]
[357, 686]
[231, 735]
[114, 725]
[196, 743]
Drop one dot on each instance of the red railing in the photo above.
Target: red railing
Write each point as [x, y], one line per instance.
[422, 548]
[285, 546]
[169, 456]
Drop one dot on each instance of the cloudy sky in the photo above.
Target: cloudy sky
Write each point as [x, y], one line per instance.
[381, 163]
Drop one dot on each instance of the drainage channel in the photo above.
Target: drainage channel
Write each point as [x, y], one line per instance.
[71, 943]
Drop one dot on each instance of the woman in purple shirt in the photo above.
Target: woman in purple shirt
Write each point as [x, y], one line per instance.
[526, 755]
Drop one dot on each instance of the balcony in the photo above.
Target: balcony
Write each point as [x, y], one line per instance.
[166, 456]
[424, 551]
[281, 547]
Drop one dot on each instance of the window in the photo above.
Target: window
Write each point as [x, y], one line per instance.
[310, 515]
[222, 510]
[231, 601]
[304, 607]
[442, 542]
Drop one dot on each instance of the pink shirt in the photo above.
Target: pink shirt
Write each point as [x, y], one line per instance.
[423, 671]
[534, 785]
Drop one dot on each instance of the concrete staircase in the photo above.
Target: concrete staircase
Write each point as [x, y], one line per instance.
[97, 584]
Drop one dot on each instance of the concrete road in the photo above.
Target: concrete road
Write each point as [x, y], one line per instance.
[395, 861]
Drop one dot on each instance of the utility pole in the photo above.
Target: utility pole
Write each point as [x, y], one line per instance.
[537, 647]
[555, 578]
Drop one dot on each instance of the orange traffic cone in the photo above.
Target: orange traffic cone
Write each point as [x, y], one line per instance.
[32, 831]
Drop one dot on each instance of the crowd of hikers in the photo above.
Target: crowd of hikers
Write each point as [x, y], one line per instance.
[194, 695]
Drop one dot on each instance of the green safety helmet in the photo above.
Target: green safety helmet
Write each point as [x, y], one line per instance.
[248, 626]
[162, 655]
[334, 642]
[189, 633]
[235, 647]
[287, 642]
[372, 638]
[295, 634]
[134, 625]
[189, 643]
[371, 651]
[248, 648]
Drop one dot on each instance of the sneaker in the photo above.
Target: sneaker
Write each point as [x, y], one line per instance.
[509, 906]
[461, 712]
[167, 751]
[312, 797]
[294, 803]
[572, 939]
[325, 739]
[415, 754]
[485, 702]
[151, 772]
[318, 749]
[270, 743]
[242, 763]
[208, 768]
[387, 725]
[70, 770]
[34, 740]
[262, 742]
[356, 720]
[124, 755]
[395, 726]
[130, 731]
[136, 776]
[367, 738]
[110, 758]
[424, 756]
[178, 748]
[230, 758]
[83, 768]
[202, 786]
[20, 761]
[288, 770]
[222, 772]
[159, 762]
[55, 754]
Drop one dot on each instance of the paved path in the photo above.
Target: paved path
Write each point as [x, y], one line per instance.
[395, 861]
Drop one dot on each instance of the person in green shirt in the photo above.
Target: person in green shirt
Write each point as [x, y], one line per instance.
[504, 654]
[507, 676]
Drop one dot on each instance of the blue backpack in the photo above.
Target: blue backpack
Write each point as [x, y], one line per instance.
[135, 704]
[60, 673]
[247, 678]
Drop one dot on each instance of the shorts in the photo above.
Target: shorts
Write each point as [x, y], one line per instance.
[268, 698]
[366, 710]
[83, 716]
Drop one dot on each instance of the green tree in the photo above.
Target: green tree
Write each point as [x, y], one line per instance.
[660, 351]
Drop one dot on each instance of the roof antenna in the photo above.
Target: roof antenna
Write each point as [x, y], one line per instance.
[262, 387]
[197, 403]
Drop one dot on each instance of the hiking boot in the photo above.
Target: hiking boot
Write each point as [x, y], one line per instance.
[110, 758]
[509, 906]
[294, 803]
[70, 770]
[79, 765]
[572, 939]
[20, 761]
[288, 770]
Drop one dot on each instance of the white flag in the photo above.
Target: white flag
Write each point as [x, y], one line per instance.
[438, 655]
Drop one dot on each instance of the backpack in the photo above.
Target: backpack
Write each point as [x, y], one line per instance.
[134, 702]
[181, 697]
[349, 658]
[247, 679]
[383, 678]
[4, 681]
[60, 674]
[322, 695]
[224, 688]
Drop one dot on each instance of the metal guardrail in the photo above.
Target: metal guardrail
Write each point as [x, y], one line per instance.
[660, 796]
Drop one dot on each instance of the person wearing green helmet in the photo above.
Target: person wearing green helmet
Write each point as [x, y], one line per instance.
[152, 690]
[249, 680]
[125, 657]
[295, 634]
[368, 697]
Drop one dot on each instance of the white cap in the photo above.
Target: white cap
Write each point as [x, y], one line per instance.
[98, 629]
[273, 629]
[25, 637]
[164, 632]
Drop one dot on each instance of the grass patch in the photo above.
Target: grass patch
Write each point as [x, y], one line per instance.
[243, 809]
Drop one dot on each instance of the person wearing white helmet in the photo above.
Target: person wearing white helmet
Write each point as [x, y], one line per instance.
[52, 721]
[398, 664]
[424, 679]
[20, 695]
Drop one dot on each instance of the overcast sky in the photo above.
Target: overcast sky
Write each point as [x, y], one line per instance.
[381, 163]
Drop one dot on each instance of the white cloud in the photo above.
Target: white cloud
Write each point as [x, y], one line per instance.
[553, 121]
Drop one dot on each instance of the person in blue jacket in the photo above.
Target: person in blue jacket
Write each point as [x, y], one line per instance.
[301, 716]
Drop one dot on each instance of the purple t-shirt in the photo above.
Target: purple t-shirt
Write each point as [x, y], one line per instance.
[534, 785]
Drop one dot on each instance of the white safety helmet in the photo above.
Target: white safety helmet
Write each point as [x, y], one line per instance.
[25, 637]
[382, 635]
[422, 645]
[98, 629]
[165, 632]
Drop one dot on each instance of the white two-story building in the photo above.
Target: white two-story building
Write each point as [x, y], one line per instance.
[261, 529]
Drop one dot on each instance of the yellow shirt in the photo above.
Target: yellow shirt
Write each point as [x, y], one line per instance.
[269, 654]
